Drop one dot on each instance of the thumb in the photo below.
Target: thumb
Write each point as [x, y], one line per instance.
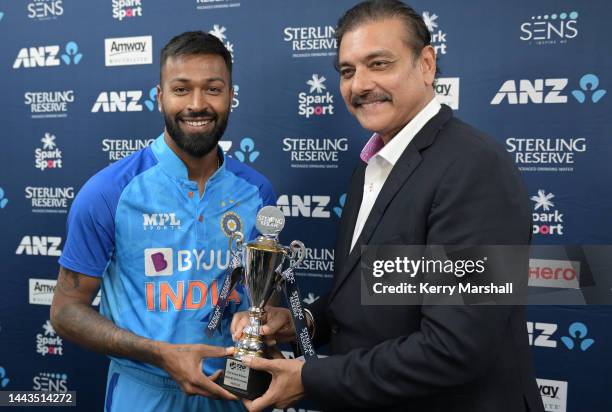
[258, 363]
[209, 351]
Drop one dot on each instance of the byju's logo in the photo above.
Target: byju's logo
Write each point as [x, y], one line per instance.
[316, 102]
[39, 245]
[306, 206]
[588, 87]
[545, 29]
[3, 200]
[4, 380]
[341, 201]
[545, 91]
[123, 9]
[124, 101]
[158, 262]
[127, 51]
[45, 9]
[577, 337]
[219, 32]
[160, 221]
[554, 394]
[247, 152]
[545, 223]
[50, 382]
[447, 91]
[49, 156]
[47, 56]
[438, 37]
[48, 343]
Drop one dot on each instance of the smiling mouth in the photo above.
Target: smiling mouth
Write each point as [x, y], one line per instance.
[197, 123]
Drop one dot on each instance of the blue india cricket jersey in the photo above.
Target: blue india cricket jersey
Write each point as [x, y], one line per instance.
[160, 249]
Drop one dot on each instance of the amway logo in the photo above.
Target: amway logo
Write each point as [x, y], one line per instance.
[126, 51]
[554, 394]
[39, 245]
[41, 292]
[447, 91]
[307, 206]
[47, 56]
[545, 223]
[315, 102]
[160, 221]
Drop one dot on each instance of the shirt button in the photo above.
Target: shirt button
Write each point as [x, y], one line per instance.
[190, 194]
[334, 328]
[200, 218]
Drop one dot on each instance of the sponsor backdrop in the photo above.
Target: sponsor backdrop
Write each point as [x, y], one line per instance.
[78, 83]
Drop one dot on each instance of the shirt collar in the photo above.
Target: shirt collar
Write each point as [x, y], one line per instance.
[174, 166]
[392, 151]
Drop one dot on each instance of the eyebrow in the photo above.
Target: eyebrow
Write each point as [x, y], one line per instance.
[370, 56]
[185, 80]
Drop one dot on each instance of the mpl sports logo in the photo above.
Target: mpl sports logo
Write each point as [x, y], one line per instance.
[447, 91]
[315, 153]
[548, 91]
[39, 246]
[160, 221]
[554, 394]
[45, 9]
[318, 101]
[41, 292]
[216, 4]
[48, 56]
[128, 51]
[50, 382]
[125, 101]
[49, 199]
[46, 105]
[554, 273]
[317, 263]
[533, 154]
[126, 9]
[48, 342]
[546, 222]
[119, 148]
[438, 37]
[547, 29]
[219, 32]
[311, 41]
[305, 206]
[49, 156]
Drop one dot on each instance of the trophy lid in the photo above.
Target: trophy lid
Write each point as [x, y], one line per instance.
[270, 221]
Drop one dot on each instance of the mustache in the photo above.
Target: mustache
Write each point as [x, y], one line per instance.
[370, 98]
[195, 115]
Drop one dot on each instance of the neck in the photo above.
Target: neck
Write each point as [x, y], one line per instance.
[199, 169]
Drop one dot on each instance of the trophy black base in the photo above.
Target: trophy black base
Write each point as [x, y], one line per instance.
[243, 381]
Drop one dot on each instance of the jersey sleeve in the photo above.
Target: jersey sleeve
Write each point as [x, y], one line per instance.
[90, 231]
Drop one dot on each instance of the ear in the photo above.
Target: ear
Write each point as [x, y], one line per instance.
[427, 63]
[159, 99]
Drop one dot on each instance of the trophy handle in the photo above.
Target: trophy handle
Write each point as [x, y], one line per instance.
[239, 238]
[297, 253]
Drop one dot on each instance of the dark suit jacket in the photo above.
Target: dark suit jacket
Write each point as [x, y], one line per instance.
[452, 186]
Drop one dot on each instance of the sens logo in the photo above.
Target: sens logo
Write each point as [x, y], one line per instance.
[158, 262]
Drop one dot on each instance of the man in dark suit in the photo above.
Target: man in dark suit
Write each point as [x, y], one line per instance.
[426, 178]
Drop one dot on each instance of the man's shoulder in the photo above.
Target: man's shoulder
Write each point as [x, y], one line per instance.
[458, 138]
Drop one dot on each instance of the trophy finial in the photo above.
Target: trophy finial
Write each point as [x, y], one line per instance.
[270, 221]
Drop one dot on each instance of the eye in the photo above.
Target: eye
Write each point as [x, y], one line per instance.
[346, 73]
[379, 64]
[214, 90]
[180, 91]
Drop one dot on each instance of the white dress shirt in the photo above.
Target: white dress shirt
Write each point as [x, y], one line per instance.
[380, 165]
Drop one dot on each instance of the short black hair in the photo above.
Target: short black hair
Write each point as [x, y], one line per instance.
[195, 43]
[417, 35]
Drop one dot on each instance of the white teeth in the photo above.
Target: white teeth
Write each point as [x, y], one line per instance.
[197, 124]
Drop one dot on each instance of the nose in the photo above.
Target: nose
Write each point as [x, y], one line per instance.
[198, 101]
[361, 82]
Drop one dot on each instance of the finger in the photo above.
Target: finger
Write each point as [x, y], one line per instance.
[270, 341]
[216, 375]
[258, 363]
[236, 320]
[239, 328]
[261, 403]
[209, 351]
[206, 385]
[274, 324]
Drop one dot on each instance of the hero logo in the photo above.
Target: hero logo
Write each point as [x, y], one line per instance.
[48, 343]
[51, 382]
[547, 29]
[47, 56]
[124, 101]
[39, 245]
[540, 334]
[554, 394]
[126, 8]
[315, 102]
[552, 273]
[49, 156]
[545, 223]
[307, 206]
[160, 221]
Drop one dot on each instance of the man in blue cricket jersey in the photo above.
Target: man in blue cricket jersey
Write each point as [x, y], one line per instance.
[152, 231]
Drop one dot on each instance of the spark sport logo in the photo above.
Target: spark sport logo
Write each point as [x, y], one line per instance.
[546, 222]
[126, 9]
[311, 41]
[317, 101]
[219, 32]
[438, 37]
[49, 156]
[48, 343]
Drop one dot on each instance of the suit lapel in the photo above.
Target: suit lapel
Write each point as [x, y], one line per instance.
[405, 166]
